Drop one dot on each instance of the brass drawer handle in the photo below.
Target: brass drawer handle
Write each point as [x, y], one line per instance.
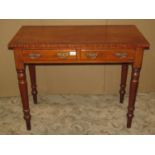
[92, 55]
[62, 55]
[34, 55]
[121, 55]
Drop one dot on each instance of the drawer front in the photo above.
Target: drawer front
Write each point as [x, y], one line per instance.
[107, 55]
[49, 55]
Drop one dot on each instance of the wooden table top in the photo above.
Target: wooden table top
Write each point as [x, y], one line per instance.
[41, 37]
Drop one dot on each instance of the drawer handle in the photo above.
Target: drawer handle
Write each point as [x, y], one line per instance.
[62, 55]
[34, 55]
[121, 55]
[92, 55]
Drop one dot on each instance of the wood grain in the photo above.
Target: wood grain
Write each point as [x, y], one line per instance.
[78, 45]
[34, 37]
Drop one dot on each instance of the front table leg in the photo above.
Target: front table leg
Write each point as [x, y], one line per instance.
[24, 96]
[132, 94]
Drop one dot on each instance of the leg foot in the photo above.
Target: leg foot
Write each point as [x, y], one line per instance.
[28, 125]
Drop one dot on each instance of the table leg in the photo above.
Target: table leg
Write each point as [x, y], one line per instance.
[34, 92]
[132, 94]
[24, 96]
[124, 74]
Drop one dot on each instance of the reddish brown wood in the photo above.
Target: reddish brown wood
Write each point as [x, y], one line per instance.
[24, 96]
[132, 94]
[34, 92]
[136, 67]
[20, 67]
[47, 56]
[85, 56]
[107, 56]
[93, 45]
[124, 74]
[82, 37]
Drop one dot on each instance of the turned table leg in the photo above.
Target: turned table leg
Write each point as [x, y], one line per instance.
[124, 74]
[34, 92]
[24, 96]
[132, 94]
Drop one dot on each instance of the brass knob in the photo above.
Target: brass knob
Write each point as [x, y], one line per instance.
[121, 54]
[34, 55]
[92, 55]
[62, 55]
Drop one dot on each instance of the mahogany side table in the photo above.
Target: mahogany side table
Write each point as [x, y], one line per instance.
[116, 44]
